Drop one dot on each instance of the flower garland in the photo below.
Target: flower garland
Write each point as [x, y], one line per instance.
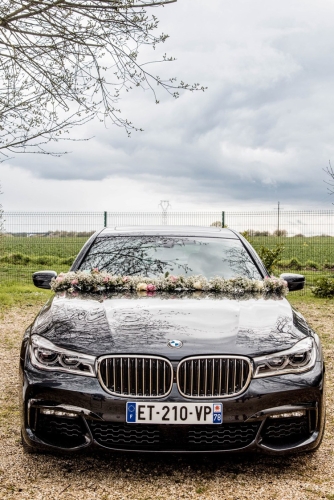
[95, 281]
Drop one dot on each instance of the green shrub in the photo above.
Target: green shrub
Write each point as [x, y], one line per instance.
[15, 258]
[45, 260]
[328, 265]
[324, 288]
[270, 257]
[247, 234]
[283, 264]
[68, 261]
[295, 264]
[20, 259]
[310, 264]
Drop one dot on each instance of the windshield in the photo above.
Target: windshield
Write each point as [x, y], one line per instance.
[155, 255]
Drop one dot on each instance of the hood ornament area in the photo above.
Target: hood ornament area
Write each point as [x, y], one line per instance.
[175, 344]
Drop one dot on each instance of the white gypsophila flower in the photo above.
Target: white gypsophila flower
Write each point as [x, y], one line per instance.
[96, 281]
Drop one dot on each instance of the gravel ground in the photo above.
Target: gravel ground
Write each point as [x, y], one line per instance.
[156, 477]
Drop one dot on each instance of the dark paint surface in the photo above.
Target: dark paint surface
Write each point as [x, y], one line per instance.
[140, 324]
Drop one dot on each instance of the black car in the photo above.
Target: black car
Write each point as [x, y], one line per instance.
[182, 370]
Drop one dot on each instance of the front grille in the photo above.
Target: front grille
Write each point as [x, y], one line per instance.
[114, 435]
[213, 376]
[137, 376]
[174, 437]
[285, 430]
[59, 431]
[226, 437]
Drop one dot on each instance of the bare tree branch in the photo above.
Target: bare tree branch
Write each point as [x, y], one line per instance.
[330, 172]
[66, 62]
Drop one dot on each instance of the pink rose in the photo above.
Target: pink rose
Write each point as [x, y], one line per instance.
[74, 282]
[106, 279]
[151, 288]
[95, 270]
[59, 278]
[125, 278]
[173, 278]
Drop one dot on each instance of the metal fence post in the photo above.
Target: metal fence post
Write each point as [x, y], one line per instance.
[105, 216]
[223, 219]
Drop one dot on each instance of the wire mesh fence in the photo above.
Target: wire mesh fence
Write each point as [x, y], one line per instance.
[290, 223]
[51, 240]
[306, 238]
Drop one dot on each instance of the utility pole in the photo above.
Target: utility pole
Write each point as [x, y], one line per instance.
[164, 205]
[279, 210]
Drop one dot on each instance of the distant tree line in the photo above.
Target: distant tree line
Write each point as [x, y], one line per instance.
[52, 234]
[277, 232]
[252, 232]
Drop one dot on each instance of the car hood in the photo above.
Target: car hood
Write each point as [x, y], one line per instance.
[145, 325]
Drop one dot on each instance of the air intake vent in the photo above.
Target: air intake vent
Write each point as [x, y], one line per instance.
[213, 376]
[137, 376]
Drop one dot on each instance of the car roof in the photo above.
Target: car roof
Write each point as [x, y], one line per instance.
[211, 231]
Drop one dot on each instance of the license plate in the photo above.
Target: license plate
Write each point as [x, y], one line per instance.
[174, 413]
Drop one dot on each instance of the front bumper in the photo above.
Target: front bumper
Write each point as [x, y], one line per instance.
[65, 412]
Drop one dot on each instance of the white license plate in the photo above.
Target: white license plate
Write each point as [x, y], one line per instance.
[174, 413]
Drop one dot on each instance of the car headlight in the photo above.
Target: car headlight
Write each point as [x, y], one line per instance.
[47, 356]
[300, 358]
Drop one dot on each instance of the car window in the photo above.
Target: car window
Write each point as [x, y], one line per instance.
[155, 255]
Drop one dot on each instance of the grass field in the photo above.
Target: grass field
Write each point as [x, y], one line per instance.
[58, 247]
[21, 256]
[317, 248]
[21, 295]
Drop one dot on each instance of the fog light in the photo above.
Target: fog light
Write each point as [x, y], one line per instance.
[299, 413]
[58, 413]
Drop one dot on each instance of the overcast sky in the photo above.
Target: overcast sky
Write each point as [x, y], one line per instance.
[261, 133]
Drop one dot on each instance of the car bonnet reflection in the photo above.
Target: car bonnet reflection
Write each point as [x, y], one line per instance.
[146, 324]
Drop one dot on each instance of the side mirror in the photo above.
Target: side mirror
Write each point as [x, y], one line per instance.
[294, 281]
[42, 279]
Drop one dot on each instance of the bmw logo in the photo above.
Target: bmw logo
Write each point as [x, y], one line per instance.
[175, 344]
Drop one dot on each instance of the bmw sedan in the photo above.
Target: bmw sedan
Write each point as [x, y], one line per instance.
[171, 339]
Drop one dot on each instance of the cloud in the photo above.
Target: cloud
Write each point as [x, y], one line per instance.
[261, 132]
